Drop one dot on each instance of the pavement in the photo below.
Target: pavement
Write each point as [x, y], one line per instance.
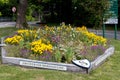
[12, 24]
[108, 33]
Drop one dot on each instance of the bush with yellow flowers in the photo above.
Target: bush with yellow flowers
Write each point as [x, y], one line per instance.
[93, 39]
[38, 47]
[13, 40]
[28, 35]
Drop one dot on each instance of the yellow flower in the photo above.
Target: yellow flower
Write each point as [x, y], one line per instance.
[13, 40]
[39, 47]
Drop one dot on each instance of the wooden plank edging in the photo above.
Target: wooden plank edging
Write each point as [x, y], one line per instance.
[101, 59]
[54, 65]
[42, 64]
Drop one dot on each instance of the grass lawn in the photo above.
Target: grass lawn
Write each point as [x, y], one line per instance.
[107, 71]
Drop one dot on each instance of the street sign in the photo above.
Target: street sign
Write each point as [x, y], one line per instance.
[14, 9]
[113, 11]
[113, 8]
[111, 21]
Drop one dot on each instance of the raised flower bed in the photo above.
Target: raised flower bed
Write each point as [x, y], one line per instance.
[55, 48]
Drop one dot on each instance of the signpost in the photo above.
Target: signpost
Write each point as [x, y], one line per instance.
[13, 10]
[113, 10]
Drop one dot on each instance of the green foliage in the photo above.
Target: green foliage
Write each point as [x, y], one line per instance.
[58, 56]
[13, 50]
[45, 0]
[69, 54]
[29, 12]
[0, 14]
[30, 18]
[4, 1]
[81, 12]
[24, 44]
[90, 12]
[6, 6]
[34, 10]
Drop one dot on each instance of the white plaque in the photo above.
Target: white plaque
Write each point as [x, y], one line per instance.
[82, 63]
[43, 65]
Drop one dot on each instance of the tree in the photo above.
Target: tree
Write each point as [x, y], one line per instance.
[90, 12]
[81, 12]
[21, 12]
[21, 21]
[59, 11]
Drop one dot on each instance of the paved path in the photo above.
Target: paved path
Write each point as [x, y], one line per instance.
[12, 24]
[7, 24]
[108, 34]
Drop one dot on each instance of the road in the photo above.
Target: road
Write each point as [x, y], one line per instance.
[108, 34]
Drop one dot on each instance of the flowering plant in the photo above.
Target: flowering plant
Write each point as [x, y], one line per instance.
[59, 43]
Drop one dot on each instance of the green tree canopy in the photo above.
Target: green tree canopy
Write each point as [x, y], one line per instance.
[90, 12]
[78, 12]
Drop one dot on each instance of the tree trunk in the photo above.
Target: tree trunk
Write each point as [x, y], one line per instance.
[21, 12]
